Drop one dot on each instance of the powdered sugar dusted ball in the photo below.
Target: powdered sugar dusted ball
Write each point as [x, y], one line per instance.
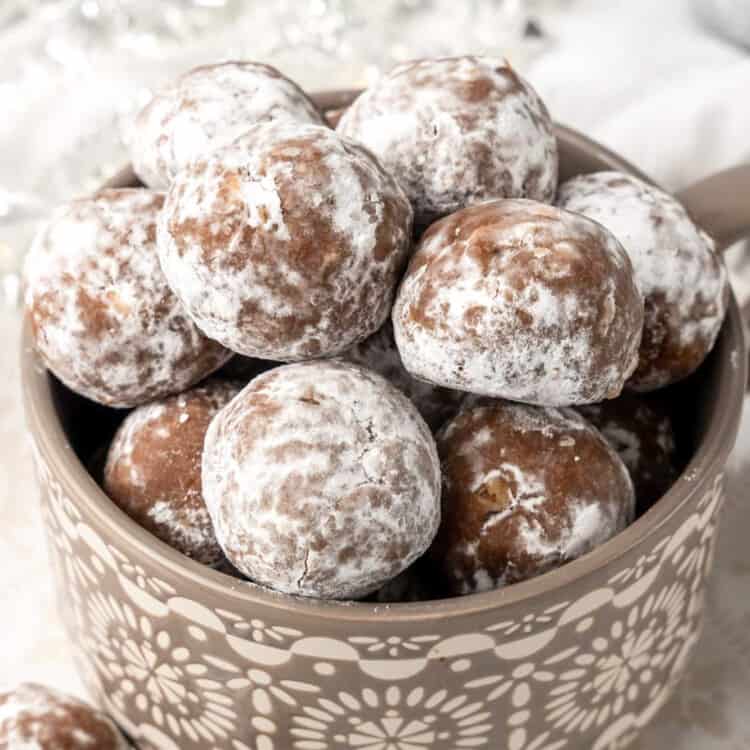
[523, 301]
[102, 316]
[683, 280]
[525, 489]
[457, 131]
[322, 480]
[153, 469]
[287, 244]
[640, 430]
[208, 108]
[379, 353]
[39, 718]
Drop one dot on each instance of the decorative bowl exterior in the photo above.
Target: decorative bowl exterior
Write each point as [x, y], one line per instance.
[184, 666]
[186, 658]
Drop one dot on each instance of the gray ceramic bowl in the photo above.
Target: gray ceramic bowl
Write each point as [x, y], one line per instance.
[187, 658]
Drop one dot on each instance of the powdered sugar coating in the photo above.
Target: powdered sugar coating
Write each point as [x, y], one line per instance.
[520, 300]
[102, 316]
[322, 480]
[207, 108]
[641, 432]
[525, 490]
[153, 469]
[287, 244]
[379, 353]
[33, 717]
[457, 131]
[683, 280]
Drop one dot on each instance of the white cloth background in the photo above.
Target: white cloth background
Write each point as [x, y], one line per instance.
[644, 78]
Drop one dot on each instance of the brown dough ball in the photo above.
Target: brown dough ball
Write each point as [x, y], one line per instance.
[287, 244]
[102, 316]
[683, 280]
[39, 718]
[207, 108]
[520, 300]
[322, 480]
[525, 490]
[379, 353]
[457, 131]
[640, 430]
[153, 470]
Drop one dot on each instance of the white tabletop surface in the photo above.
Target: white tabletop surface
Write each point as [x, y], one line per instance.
[642, 77]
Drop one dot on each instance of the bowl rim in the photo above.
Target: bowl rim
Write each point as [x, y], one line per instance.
[706, 463]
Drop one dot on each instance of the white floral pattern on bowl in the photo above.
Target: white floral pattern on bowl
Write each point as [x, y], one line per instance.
[178, 674]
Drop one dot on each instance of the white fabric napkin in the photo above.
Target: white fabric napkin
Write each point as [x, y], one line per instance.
[648, 80]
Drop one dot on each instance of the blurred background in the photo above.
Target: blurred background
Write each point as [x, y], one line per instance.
[664, 83]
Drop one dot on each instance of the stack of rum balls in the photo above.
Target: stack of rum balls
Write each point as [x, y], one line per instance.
[393, 360]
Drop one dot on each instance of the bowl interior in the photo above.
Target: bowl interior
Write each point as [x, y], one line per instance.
[72, 432]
